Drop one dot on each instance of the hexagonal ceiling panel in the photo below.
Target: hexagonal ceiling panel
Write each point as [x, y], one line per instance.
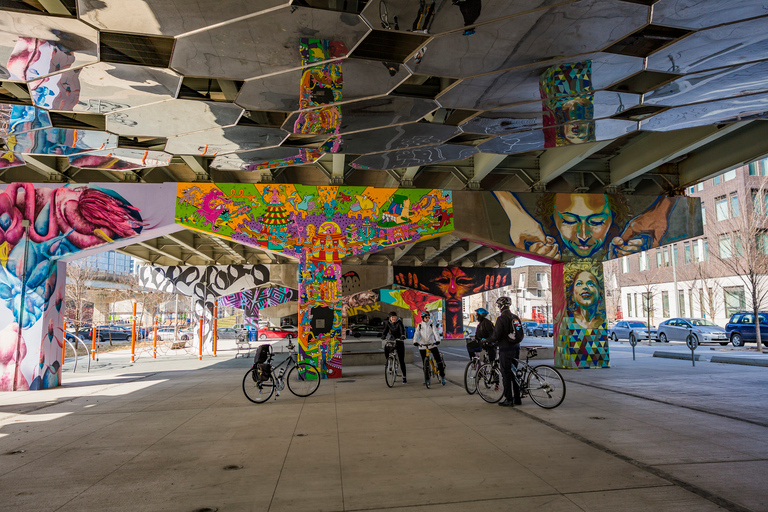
[414, 157]
[265, 159]
[172, 117]
[221, 141]
[397, 137]
[60, 141]
[698, 14]
[121, 159]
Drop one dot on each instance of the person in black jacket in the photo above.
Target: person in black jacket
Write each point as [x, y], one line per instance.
[508, 333]
[483, 332]
[395, 329]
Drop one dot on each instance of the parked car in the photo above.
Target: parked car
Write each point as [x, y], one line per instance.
[543, 330]
[291, 328]
[107, 333]
[677, 329]
[223, 333]
[275, 332]
[623, 329]
[529, 327]
[169, 332]
[365, 330]
[741, 328]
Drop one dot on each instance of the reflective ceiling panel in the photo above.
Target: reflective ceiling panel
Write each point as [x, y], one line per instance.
[727, 45]
[106, 87]
[121, 159]
[21, 118]
[265, 158]
[698, 14]
[713, 112]
[60, 141]
[522, 85]
[532, 37]
[397, 137]
[173, 117]
[221, 141]
[375, 113]
[167, 17]
[414, 157]
[33, 47]
[712, 85]
[9, 159]
[264, 44]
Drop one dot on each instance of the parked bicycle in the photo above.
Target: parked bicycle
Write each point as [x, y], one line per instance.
[542, 383]
[474, 364]
[430, 365]
[392, 366]
[264, 379]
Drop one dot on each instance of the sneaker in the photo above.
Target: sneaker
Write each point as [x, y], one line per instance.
[518, 401]
[404, 381]
[505, 403]
[442, 381]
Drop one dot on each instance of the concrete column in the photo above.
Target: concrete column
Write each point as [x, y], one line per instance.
[580, 329]
[320, 312]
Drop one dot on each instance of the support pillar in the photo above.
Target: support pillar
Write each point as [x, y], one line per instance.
[580, 329]
[320, 313]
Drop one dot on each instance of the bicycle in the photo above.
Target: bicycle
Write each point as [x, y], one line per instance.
[262, 381]
[392, 366]
[542, 383]
[474, 364]
[430, 365]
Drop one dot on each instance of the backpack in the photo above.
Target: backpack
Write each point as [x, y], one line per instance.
[517, 334]
[262, 353]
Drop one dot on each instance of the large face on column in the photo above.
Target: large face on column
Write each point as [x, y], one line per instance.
[583, 221]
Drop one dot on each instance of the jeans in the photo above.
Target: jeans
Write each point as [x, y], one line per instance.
[508, 366]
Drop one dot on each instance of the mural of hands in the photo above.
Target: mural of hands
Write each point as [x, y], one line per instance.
[411, 280]
[492, 282]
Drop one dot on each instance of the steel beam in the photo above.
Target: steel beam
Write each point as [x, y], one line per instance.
[484, 163]
[189, 247]
[556, 161]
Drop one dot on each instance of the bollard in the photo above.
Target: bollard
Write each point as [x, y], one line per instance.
[215, 327]
[692, 343]
[200, 348]
[633, 342]
[93, 343]
[154, 344]
[133, 335]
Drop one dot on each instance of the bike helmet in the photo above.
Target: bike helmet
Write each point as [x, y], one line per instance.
[503, 302]
[481, 312]
[425, 315]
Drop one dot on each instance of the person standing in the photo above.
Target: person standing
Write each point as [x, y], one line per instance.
[508, 333]
[426, 337]
[396, 330]
[483, 332]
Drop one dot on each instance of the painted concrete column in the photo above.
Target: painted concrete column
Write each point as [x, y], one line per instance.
[580, 329]
[320, 313]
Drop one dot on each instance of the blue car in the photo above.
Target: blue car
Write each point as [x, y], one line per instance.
[741, 328]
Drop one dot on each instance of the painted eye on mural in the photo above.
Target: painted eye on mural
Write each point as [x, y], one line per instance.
[464, 281]
[597, 221]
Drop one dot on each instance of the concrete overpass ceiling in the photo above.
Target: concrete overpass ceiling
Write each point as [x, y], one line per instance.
[560, 95]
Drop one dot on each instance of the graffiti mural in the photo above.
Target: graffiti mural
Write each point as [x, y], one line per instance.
[452, 284]
[568, 104]
[320, 226]
[251, 301]
[417, 302]
[38, 226]
[205, 283]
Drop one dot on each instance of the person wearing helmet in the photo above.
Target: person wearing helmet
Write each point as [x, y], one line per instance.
[394, 327]
[508, 333]
[426, 337]
[483, 332]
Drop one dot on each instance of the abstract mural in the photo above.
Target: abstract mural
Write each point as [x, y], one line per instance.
[576, 233]
[357, 303]
[568, 104]
[417, 302]
[452, 284]
[251, 301]
[319, 226]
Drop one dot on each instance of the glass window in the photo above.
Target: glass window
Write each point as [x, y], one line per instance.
[701, 321]
[625, 265]
[666, 256]
[734, 206]
[756, 206]
[690, 300]
[675, 260]
[724, 243]
[721, 208]
[735, 301]
[738, 245]
[687, 253]
[728, 176]
[637, 305]
[703, 214]
[761, 242]
[700, 186]
[717, 180]
[658, 259]
[705, 250]
[629, 304]
[539, 277]
[691, 190]
[647, 303]
[665, 304]
[696, 255]
[681, 302]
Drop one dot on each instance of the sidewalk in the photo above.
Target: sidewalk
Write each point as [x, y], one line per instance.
[180, 435]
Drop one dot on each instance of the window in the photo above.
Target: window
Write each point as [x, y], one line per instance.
[647, 304]
[675, 260]
[702, 302]
[690, 300]
[643, 261]
[629, 304]
[687, 248]
[539, 277]
[665, 304]
[700, 186]
[625, 265]
[761, 242]
[734, 206]
[705, 250]
[666, 256]
[721, 208]
[724, 243]
[637, 305]
[703, 215]
[734, 300]
[658, 259]
[696, 255]
[681, 303]
[738, 245]
[728, 176]
[539, 293]
[691, 190]
[717, 180]
[760, 201]
[758, 168]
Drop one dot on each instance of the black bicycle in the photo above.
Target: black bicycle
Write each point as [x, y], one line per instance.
[263, 379]
[392, 366]
[474, 364]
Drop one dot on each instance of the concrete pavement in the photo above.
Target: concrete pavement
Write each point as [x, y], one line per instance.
[178, 434]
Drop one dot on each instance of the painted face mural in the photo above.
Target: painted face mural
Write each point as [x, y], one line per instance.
[568, 104]
[320, 226]
[583, 222]
[452, 284]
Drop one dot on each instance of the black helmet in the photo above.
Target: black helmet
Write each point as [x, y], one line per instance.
[392, 313]
[503, 302]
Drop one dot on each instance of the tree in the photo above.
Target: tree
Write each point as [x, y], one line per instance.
[79, 280]
[707, 289]
[612, 289]
[649, 289]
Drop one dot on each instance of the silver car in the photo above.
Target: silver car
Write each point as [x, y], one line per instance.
[624, 329]
[677, 329]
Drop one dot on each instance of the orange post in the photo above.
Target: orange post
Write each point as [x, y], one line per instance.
[93, 343]
[64, 343]
[215, 327]
[133, 335]
[200, 349]
[154, 343]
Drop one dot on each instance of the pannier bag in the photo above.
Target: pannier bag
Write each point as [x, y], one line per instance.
[262, 353]
[388, 348]
[473, 344]
[263, 371]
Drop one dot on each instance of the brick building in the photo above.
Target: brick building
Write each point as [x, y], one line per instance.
[529, 291]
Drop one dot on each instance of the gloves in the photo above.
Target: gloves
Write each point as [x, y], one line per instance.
[415, 344]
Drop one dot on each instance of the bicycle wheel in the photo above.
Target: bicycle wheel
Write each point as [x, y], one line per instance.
[489, 384]
[470, 376]
[546, 386]
[303, 379]
[255, 391]
[427, 373]
[390, 372]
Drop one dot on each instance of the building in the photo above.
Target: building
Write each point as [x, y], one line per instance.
[111, 262]
[530, 293]
[692, 278]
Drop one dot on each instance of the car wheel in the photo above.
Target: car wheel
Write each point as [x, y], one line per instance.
[737, 340]
[356, 335]
[262, 336]
[663, 338]
[99, 339]
[615, 338]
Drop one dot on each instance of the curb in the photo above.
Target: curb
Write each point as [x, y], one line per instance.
[749, 361]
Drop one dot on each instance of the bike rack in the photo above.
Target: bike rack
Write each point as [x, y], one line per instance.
[74, 349]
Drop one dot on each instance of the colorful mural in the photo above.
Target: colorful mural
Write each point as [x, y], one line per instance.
[452, 284]
[319, 226]
[576, 233]
[361, 302]
[568, 103]
[417, 302]
[38, 226]
[251, 301]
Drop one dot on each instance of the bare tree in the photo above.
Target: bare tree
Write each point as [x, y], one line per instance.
[612, 289]
[707, 290]
[647, 281]
[79, 280]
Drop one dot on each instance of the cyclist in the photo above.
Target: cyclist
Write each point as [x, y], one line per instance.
[396, 330]
[508, 333]
[426, 337]
[484, 331]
